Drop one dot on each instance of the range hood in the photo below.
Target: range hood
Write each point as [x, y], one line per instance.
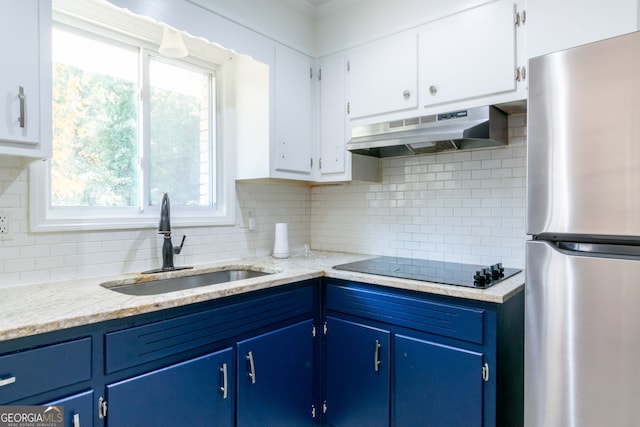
[479, 127]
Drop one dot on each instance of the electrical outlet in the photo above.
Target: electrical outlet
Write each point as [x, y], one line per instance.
[5, 228]
[251, 219]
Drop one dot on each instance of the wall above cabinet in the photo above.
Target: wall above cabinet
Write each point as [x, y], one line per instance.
[555, 25]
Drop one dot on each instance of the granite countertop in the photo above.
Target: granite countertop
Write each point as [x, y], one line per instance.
[39, 308]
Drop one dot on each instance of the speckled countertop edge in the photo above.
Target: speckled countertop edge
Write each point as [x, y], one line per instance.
[39, 308]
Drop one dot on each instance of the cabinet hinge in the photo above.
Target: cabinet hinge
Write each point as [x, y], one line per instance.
[324, 407]
[311, 73]
[520, 73]
[313, 411]
[485, 372]
[102, 408]
[320, 74]
[348, 108]
[313, 331]
[324, 329]
[348, 65]
[320, 163]
[311, 162]
[519, 18]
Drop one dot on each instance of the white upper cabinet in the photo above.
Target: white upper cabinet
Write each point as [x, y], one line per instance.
[382, 77]
[25, 78]
[333, 118]
[468, 55]
[293, 114]
[556, 25]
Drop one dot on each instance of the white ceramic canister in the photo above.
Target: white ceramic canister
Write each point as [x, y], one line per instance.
[281, 244]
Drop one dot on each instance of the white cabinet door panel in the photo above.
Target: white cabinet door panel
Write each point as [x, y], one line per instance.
[333, 121]
[469, 55]
[382, 76]
[293, 112]
[20, 91]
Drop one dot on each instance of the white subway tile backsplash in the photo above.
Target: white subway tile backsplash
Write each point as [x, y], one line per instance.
[40, 257]
[463, 207]
[466, 206]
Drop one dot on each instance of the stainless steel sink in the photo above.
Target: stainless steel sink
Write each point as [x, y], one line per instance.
[161, 286]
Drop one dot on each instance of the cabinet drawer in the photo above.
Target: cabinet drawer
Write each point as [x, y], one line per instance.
[153, 341]
[416, 313]
[27, 373]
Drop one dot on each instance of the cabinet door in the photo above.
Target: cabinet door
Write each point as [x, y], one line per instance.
[23, 27]
[436, 385]
[333, 118]
[293, 111]
[275, 378]
[383, 77]
[196, 392]
[468, 55]
[357, 374]
[78, 409]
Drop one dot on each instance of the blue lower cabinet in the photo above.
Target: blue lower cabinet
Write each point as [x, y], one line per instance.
[436, 385]
[275, 378]
[77, 409]
[198, 392]
[357, 374]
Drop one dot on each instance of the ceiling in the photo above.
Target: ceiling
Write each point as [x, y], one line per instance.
[320, 7]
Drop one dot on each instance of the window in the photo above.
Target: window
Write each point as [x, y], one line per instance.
[95, 122]
[129, 125]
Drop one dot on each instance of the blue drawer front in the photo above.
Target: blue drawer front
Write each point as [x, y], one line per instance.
[410, 312]
[28, 373]
[137, 345]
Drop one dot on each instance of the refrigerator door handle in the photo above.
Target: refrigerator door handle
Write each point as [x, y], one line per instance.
[600, 248]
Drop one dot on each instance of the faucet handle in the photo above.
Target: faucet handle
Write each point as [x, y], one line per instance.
[178, 249]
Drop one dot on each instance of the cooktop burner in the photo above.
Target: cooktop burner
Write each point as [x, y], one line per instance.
[449, 273]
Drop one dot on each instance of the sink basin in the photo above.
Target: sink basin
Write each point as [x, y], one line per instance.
[161, 286]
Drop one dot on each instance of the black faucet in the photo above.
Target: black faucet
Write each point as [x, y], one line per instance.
[164, 228]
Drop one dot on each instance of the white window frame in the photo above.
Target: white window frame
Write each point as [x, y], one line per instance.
[45, 218]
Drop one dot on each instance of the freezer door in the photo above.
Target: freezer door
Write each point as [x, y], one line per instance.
[583, 149]
[582, 339]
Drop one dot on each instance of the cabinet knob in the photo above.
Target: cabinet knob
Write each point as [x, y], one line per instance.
[433, 90]
[406, 94]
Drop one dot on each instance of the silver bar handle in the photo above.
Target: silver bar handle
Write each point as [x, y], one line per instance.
[7, 381]
[76, 420]
[21, 97]
[376, 356]
[252, 367]
[224, 389]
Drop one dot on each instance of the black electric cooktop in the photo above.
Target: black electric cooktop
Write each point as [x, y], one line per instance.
[449, 273]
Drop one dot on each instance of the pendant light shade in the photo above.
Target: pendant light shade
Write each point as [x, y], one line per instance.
[172, 45]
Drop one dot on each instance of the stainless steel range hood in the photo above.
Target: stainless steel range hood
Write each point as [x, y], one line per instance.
[479, 127]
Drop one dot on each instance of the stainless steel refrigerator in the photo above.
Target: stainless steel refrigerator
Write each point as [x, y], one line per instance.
[582, 322]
